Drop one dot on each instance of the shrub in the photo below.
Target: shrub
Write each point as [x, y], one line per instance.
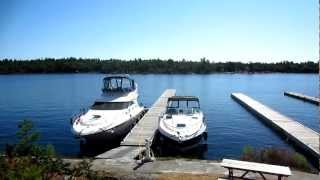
[28, 160]
[248, 153]
[276, 156]
[300, 162]
[83, 170]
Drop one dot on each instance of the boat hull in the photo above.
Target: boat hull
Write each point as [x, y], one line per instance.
[163, 130]
[193, 141]
[193, 148]
[114, 134]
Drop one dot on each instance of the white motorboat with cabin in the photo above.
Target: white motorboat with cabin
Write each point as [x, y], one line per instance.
[183, 120]
[112, 115]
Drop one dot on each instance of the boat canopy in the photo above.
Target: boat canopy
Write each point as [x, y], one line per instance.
[120, 83]
[183, 104]
[183, 98]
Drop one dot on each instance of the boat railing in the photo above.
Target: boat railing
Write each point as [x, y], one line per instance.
[76, 117]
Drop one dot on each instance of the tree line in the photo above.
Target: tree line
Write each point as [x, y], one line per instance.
[155, 66]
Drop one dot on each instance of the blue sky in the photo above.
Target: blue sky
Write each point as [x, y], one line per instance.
[220, 30]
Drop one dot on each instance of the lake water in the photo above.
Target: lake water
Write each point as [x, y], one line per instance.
[50, 101]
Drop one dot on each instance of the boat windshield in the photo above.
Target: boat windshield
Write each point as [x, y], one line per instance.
[183, 106]
[110, 105]
[118, 84]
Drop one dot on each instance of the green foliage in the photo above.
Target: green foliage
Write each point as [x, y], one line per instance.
[83, 170]
[27, 160]
[154, 66]
[300, 162]
[248, 149]
[27, 137]
[3, 166]
[24, 168]
[276, 156]
[247, 153]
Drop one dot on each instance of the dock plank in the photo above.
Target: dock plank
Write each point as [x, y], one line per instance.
[305, 137]
[310, 99]
[149, 123]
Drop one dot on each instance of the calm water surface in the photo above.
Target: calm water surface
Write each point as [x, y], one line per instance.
[50, 101]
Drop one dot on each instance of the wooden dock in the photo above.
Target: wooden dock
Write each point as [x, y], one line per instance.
[303, 136]
[310, 99]
[144, 130]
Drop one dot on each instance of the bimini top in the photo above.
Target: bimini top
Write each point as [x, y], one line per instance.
[118, 76]
[183, 105]
[183, 98]
[120, 83]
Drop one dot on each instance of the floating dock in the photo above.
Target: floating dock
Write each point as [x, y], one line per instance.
[144, 130]
[303, 136]
[310, 99]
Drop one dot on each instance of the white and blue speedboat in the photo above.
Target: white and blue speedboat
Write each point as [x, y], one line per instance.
[113, 114]
[183, 120]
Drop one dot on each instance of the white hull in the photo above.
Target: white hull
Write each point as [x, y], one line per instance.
[191, 130]
[178, 139]
[111, 125]
[115, 133]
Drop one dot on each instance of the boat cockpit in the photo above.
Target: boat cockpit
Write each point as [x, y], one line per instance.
[118, 83]
[183, 105]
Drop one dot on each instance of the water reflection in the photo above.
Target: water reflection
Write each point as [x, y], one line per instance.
[195, 149]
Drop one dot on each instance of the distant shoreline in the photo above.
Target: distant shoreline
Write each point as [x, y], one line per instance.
[150, 66]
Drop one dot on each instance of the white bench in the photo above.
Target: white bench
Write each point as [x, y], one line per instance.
[280, 171]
